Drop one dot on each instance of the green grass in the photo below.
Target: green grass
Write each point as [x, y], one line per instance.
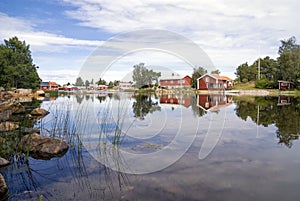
[244, 86]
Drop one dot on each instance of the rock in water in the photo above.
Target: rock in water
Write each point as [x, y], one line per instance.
[3, 187]
[41, 147]
[3, 162]
[8, 126]
[39, 112]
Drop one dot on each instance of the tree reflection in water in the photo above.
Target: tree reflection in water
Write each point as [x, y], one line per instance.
[283, 112]
[143, 105]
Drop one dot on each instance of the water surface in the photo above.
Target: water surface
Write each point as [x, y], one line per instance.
[256, 156]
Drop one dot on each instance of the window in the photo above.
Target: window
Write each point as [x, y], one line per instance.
[207, 79]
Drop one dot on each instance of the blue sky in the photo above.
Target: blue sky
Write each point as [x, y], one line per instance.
[63, 34]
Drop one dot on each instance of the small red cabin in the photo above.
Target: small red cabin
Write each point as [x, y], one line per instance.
[284, 85]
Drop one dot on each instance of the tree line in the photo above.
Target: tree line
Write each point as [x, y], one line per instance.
[286, 67]
[17, 69]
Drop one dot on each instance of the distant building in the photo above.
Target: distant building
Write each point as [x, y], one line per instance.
[175, 82]
[49, 86]
[284, 85]
[102, 87]
[214, 82]
[126, 86]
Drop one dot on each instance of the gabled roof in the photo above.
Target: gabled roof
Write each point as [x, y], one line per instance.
[216, 77]
[174, 77]
[45, 84]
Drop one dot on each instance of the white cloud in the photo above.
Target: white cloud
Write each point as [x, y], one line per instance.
[62, 76]
[58, 57]
[39, 41]
[239, 30]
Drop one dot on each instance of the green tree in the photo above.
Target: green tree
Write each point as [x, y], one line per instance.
[87, 84]
[143, 76]
[101, 82]
[16, 65]
[198, 72]
[217, 71]
[79, 82]
[246, 73]
[289, 60]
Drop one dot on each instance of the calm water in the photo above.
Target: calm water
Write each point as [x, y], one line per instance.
[254, 143]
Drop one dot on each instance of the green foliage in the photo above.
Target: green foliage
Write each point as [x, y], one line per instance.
[286, 67]
[263, 83]
[87, 84]
[101, 82]
[79, 82]
[16, 65]
[143, 76]
[198, 72]
[289, 60]
[244, 80]
[217, 71]
[246, 73]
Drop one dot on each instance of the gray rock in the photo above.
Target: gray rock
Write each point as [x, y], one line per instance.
[3, 162]
[39, 112]
[40, 93]
[13, 106]
[3, 188]
[8, 126]
[4, 95]
[5, 115]
[31, 131]
[41, 147]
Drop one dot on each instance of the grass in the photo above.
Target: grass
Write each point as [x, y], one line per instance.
[244, 86]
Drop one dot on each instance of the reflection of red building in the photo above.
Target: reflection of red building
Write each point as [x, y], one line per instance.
[214, 82]
[283, 100]
[176, 82]
[213, 102]
[185, 101]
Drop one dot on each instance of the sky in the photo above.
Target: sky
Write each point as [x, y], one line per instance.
[65, 34]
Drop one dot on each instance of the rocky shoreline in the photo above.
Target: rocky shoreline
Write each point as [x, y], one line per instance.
[25, 138]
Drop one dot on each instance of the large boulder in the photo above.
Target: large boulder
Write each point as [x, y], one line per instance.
[8, 126]
[5, 115]
[39, 113]
[39, 93]
[12, 105]
[4, 95]
[3, 188]
[41, 147]
[3, 162]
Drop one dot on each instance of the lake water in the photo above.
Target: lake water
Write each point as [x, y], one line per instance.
[125, 147]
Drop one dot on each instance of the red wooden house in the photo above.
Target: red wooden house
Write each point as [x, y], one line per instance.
[284, 85]
[49, 86]
[214, 82]
[176, 82]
